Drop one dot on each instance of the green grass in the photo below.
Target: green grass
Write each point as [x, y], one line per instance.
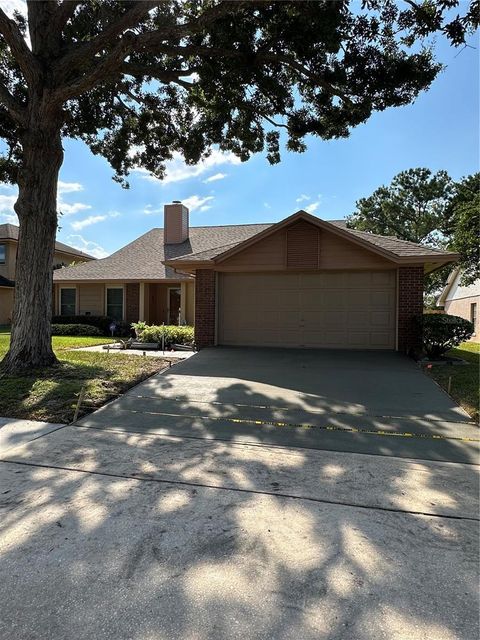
[465, 378]
[52, 394]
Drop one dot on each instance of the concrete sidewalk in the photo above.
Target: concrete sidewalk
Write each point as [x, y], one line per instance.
[167, 355]
[14, 432]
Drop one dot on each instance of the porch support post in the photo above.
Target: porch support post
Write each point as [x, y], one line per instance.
[141, 309]
[183, 302]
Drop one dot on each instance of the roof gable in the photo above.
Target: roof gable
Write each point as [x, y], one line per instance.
[317, 222]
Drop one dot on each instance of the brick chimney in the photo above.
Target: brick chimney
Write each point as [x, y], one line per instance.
[175, 223]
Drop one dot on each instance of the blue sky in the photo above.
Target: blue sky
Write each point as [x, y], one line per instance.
[439, 131]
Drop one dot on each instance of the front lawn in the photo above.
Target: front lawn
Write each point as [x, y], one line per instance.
[52, 394]
[465, 378]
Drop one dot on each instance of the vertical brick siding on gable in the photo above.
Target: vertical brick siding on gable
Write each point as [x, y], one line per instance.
[410, 304]
[204, 308]
[132, 302]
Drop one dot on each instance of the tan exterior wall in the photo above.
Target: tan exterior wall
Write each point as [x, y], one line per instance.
[334, 253]
[462, 308]
[6, 305]
[91, 299]
[7, 270]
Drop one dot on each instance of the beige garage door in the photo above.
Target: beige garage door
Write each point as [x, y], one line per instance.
[347, 310]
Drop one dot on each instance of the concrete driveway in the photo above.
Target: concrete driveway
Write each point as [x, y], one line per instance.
[189, 509]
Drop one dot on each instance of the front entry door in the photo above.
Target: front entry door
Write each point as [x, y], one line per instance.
[174, 297]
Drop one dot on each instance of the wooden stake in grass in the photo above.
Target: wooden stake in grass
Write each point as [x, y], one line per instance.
[79, 402]
[449, 386]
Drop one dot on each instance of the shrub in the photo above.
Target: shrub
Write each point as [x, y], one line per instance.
[101, 322]
[75, 330]
[173, 334]
[442, 332]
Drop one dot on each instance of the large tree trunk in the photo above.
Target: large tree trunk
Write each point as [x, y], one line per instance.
[36, 207]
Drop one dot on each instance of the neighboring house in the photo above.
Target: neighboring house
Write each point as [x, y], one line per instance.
[302, 282]
[64, 255]
[461, 301]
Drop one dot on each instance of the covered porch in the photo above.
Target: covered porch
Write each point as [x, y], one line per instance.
[170, 302]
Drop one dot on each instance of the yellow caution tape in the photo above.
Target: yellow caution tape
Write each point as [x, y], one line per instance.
[273, 423]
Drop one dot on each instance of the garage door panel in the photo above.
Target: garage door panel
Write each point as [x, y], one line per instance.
[336, 310]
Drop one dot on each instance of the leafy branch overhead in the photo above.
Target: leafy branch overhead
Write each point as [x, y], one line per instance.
[140, 80]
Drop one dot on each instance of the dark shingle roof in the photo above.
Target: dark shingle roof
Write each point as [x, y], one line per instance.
[398, 248]
[142, 258]
[401, 248]
[10, 232]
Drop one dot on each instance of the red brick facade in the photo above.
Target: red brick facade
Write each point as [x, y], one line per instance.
[410, 304]
[132, 302]
[204, 308]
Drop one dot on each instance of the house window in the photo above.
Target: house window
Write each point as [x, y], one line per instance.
[115, 303]
[3, 254]
[473, 316]
[68, 299]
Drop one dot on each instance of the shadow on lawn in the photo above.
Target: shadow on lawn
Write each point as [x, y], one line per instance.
[52, 394]
[185, 537]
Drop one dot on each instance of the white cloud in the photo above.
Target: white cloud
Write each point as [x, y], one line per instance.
[70, 209]
[69, 187]
[302, 198]
[149, 210]
[7, 213]
[177, 170]
[66, 208]
[197, 202]
[87, 222]
[312, 207]
[114, 214]
[267, 205]
[87, 246]
[215, 177]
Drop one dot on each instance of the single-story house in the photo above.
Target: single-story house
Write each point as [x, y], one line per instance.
[301, 282]
[458, 300]
[64, 255]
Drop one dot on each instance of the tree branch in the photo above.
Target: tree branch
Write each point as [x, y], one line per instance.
[279, 59]
[64, 12]
[14, 108]
[85, 52]
[22, 54]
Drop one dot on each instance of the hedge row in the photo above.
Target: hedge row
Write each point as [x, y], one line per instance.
[75, 330]
[101, 322]
[173, 334]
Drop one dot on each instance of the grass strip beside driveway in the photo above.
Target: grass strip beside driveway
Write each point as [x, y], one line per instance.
[51, 394]
[465, 378]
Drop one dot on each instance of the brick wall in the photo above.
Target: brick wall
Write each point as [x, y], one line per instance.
[204, 308]
[410, 304]
[132, 302]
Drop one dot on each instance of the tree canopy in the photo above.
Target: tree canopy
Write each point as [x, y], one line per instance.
[429, 208]
[463, 226]
[413, 207]
[139, 81]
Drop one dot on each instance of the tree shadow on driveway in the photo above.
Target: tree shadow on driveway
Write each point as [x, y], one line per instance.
[115, 533]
